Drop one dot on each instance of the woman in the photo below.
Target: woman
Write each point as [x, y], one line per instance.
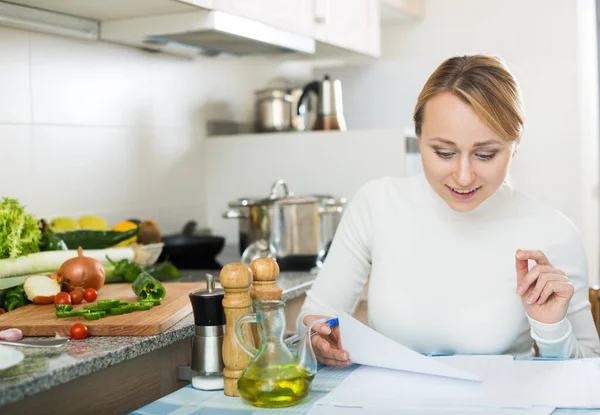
[458, 261]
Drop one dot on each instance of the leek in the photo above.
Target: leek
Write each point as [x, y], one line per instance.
[51, 261]
[6, 283]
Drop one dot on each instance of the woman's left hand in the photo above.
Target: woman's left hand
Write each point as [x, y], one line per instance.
[545, 291]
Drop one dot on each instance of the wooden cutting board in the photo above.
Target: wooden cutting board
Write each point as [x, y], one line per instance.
[41, 320]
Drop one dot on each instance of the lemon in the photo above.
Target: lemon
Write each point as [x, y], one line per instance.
[63, 224]
[92, 222]
[122, 227]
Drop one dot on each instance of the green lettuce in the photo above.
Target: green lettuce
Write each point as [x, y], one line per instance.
[19, 232]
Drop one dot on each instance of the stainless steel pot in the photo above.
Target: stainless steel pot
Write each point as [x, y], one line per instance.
[273, 110]
[296, 230]
[279, 108]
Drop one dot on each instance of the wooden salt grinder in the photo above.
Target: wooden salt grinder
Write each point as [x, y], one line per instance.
[265, 272]
[235, 279]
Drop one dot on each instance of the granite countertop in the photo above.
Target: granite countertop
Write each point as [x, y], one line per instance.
[44, 369]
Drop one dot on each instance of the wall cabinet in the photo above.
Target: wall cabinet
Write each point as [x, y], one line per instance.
[402, 10]
[348, 24]
[293, 16]
[115, 9]
[342, 26]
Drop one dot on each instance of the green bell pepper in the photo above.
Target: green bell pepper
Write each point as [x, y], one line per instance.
[51, 242]
[63, 307]
[146, 287]
[107, 304]
[15, 298]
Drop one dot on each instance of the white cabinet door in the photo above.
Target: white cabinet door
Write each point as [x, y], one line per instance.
[295, 16]
[116, 9]
[349, 24]
[402, 10]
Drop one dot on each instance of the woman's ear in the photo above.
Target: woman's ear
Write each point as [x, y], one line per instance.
[516, 147]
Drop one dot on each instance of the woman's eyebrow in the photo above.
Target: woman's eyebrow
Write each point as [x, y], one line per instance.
[444, 141]
[485, 143]
[452, 143]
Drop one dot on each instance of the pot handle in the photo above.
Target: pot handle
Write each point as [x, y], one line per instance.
[330, 210]
[279, 184]
[234, 214]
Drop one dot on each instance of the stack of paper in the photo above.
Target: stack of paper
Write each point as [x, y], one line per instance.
[394, 377]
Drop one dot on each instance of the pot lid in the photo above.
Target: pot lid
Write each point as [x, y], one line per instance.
[273, 93]
[279, 195]
[331, 200]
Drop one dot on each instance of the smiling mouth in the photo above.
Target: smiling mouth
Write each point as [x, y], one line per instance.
[463, 194]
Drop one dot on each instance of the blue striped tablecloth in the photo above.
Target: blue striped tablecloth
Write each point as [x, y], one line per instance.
[190, 401]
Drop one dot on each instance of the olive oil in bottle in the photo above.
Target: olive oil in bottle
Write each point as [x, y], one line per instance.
[275, 386]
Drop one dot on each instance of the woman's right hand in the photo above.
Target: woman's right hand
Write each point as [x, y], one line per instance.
[327, 343]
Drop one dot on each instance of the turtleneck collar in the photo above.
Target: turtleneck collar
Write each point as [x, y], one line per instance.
[492, 206]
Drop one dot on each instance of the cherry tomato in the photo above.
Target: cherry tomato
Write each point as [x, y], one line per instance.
[76, 296]
[62, 298]
[2, 311]
[79, 331]
[90, 295]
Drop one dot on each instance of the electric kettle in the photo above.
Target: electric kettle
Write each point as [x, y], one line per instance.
[330, 110]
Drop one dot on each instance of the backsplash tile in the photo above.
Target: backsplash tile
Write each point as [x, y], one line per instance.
[172, 218]
[16, 163]
[81, 170]
[310, 162]
[178, 168]
[78, 82]
[15, 92]
[114, 131]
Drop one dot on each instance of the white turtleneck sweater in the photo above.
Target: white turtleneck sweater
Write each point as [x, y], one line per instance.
[442, 281]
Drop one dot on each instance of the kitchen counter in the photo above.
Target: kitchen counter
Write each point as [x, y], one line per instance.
[42, 370]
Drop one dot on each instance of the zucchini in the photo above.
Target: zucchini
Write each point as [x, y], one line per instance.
[91, 239]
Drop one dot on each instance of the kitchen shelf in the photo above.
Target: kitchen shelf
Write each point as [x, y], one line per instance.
[311, 137]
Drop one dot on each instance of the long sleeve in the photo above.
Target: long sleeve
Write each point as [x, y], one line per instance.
[347, 266]
[575, 336]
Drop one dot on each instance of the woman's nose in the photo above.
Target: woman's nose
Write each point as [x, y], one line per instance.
[464, 174]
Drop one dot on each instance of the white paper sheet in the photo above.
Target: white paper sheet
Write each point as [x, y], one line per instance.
[374, 387]
[573, 383]
[368, 347]
[505, 384]
[336, 410]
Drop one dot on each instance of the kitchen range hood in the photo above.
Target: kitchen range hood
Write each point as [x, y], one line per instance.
[205, 32]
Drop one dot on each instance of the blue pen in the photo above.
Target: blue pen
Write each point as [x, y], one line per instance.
[295, 339]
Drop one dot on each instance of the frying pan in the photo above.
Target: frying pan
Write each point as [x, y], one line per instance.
[187, 250]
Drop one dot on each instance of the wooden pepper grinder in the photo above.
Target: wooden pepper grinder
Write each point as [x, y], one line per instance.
[235, 279]
[265, 272]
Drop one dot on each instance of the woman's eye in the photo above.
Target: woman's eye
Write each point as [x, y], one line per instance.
[486, 157]
[444, 155]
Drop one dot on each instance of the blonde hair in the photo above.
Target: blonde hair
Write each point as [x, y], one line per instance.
[486, 84]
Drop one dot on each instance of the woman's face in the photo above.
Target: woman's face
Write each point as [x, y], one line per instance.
[464, 161]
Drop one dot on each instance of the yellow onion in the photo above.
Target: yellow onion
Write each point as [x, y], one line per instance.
[82, 272]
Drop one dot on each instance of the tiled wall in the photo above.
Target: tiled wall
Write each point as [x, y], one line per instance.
[317, 162]
[96, 128]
